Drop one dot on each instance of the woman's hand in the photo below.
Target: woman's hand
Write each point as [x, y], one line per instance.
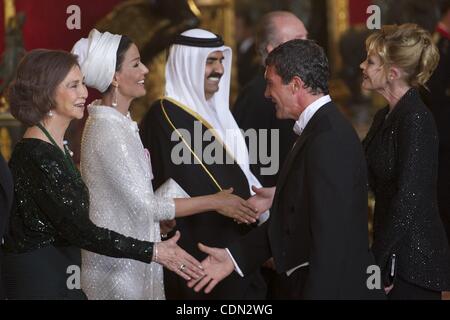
[171, 256]
[232, 206]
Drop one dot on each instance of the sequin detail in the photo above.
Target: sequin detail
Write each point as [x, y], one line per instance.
[52, 207]
[117, 170]
[402, 151]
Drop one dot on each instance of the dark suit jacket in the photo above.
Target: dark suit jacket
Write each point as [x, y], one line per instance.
[248, 65]
[6, 196]
[402, 157]
[319, 213]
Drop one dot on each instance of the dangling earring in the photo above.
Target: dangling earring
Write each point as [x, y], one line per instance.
[50, 113]
[114, 103]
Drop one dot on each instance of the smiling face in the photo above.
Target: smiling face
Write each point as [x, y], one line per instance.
[131, 76]
[70, 95]
[213, 72]
[280, 94]
[374, 75]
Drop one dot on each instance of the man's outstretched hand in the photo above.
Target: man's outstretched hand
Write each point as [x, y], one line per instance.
[262, 199]
[217, 266]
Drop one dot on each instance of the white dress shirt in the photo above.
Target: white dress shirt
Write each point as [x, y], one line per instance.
[308, 113]
[299, 126]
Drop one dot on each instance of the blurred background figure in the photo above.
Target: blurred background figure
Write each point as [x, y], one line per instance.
[438, 99]
[247, 58]
[352, 50]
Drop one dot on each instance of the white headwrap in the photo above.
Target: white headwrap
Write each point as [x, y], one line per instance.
[97, 58]
[185, 79]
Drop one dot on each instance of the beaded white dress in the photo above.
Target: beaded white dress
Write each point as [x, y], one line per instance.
[117, 170]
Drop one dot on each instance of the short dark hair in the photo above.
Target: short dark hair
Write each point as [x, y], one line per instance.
[31, 94]
[302, 58]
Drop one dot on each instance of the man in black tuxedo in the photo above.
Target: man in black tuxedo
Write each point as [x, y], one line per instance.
[274, 28]
[317, 232]
[6, 192]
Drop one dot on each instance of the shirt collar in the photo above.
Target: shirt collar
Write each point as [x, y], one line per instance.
[309, 112]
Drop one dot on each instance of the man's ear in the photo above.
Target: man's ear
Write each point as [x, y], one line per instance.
[269, 48]
[296, 84]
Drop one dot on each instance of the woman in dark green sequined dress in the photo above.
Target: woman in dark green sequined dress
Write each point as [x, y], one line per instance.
[50, 217]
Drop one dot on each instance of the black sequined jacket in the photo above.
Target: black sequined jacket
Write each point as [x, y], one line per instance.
[51, 207]
[402, 155]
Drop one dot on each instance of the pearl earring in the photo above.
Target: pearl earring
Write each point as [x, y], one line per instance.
[114, 103]
[50, 113]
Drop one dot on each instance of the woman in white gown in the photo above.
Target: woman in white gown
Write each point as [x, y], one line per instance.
[117, 170]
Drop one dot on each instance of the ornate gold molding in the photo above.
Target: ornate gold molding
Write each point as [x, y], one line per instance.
[194, 8]
[5, 143]
[218, 16]
[338, 17]
[9, 10]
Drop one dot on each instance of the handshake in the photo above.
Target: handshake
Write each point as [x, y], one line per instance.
[218, 264]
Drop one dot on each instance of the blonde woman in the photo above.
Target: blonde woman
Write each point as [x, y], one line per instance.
[401, 147]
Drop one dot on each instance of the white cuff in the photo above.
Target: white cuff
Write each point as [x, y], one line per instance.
[263, 217]
[236, 267]
[291, 271]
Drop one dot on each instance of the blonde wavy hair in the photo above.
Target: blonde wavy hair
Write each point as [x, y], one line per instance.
[408, 47]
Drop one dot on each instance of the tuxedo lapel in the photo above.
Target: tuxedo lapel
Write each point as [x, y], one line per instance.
[289, 161]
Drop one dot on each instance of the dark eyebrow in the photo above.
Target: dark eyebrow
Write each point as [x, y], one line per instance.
[215, 59]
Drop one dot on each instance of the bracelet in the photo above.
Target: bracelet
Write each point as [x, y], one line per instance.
[155, 252]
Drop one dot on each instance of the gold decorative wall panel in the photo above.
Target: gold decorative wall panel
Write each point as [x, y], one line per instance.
[338, 23]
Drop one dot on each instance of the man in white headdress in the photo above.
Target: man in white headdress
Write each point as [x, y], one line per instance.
[198, 144]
